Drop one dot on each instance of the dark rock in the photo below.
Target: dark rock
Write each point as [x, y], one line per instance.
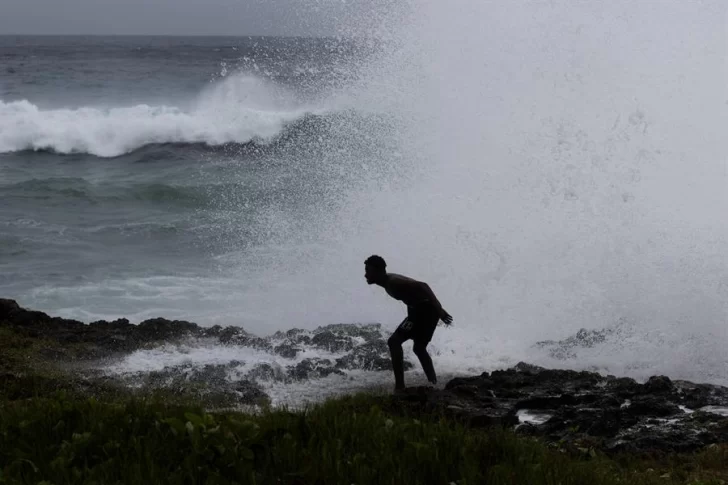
[233, 335]
[696, 396]
[249, 392]
[616, 414]
[657, 384]
[212, 332]
[116, 336]
[313, 368]
[332, 342]
[372, 356]
[567, 348]
[652, 405]
[266, 372]
[622, 386]
[286, 350]
[8, 308]
[163, 329]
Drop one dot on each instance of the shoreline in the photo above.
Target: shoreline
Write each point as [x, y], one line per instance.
[612, 413]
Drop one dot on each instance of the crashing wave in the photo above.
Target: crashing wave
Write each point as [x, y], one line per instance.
[239, 110]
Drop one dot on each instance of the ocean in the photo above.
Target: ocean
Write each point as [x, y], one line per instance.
[514, 157]
[139, 175]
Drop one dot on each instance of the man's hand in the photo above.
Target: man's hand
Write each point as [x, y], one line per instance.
[445, 317]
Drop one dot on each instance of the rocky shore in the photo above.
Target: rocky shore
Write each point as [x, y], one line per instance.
[585, 410]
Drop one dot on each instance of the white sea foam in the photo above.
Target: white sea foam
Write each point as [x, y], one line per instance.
[238, 109]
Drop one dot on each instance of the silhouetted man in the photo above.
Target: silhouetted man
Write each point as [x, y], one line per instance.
[423, 313]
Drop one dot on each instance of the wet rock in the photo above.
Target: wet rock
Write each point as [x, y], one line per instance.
[567, 348]
[233, 335]
[312, 368]
[372, 356]
[116, 336]
[212, 332]
[332, 342]
[266, 372]
[286, 350]
[658, 384]
[616, 414]
[214, 384]
[652, 406]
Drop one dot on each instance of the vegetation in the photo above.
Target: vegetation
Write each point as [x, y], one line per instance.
[53, 432]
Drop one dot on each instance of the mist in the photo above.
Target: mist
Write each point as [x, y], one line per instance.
[563, 168]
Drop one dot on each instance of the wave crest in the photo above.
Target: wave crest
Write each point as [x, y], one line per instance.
[240, 109]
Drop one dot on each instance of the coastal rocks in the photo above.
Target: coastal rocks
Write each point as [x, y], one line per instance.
[349, 346]
[98, 351]
[567, 407]
[213, 384]
[568, 347]
[313, 368]
[97, 339]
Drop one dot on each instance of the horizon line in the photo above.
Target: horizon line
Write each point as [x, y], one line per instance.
[183, 35]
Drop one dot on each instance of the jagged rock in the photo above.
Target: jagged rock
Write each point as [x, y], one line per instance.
[233, 335]
[332, 342]
[286, 350]
[266, 372]
[566, 348]
[652, 405]
[116, 336]
[373, 355]
[696, 396]
[249, 392]
[211, 332]
[616, 414]
[658, 384]
[213, 383]
[312, 368]
[163, 329]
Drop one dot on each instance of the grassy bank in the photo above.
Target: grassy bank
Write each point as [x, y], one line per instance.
[358, 439]
[53, 432]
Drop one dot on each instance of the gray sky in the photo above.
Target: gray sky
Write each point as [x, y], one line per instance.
[181, 17]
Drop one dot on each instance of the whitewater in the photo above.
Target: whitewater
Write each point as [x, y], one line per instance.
[240, 109]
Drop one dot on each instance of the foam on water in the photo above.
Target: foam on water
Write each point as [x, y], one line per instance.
[238, 109]
[241, 362]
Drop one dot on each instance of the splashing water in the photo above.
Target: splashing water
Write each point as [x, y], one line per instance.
[239, 109]
[561, 167]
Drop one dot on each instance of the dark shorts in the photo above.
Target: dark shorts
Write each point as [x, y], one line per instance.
[420, 323]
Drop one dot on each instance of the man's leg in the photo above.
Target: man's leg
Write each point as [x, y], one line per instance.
[395, 350]
[426, 325]
[420, 349]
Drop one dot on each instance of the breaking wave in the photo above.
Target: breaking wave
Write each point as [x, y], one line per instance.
[240, 109]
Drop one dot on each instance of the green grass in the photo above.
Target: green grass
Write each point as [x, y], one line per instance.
[53, 432]
[66, 440]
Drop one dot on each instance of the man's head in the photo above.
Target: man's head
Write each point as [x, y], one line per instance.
[375, 269]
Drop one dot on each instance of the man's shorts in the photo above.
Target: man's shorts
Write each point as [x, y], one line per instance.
[420, 323]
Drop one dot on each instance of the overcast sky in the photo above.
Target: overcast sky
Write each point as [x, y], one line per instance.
[180, 17]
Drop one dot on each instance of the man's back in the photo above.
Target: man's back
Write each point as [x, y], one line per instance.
[407, 290]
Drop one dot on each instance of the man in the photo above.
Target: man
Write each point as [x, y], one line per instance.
[423, 312]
